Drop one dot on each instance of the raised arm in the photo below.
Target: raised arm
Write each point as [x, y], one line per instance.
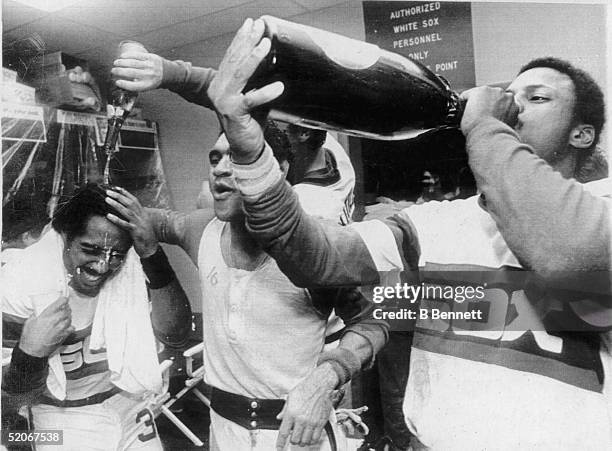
[314, 253]
[310, 252]
[170, 308]
[181, 229]
[141, 71]
[552, 224]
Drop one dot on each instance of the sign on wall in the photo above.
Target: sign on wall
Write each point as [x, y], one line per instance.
[436, 34]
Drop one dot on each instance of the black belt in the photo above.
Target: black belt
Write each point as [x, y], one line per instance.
[93, 399]
[254, 413]
[250, 413]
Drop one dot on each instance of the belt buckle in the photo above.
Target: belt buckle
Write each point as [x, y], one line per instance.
[254, 406]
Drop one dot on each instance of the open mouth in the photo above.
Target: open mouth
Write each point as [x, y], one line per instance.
[90, 276]
[222, 190]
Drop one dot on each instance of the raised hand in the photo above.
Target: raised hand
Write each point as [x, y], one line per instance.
[234, 108]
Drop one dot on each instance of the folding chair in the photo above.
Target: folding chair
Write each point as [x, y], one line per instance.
[162, 403]
[194, 376]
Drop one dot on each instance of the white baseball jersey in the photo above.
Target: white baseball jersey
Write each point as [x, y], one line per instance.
[330, 197]
[475, 380]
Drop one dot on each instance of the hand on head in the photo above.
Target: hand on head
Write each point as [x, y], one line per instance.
[138, 223]
[234, 109]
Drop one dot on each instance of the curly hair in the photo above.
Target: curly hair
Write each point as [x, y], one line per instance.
[589, 105]
[72, 216]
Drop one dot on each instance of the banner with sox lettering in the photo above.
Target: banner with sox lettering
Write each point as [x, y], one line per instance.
[436, 34]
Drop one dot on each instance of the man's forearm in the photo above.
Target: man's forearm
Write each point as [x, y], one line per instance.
[550, 223]
[356, 311]
[170, 308]
[315, 253]
[307, 250]
[366, 339]
[181, 229]
[169, 226]
[355, 351]
[188, 81]
[24, 380]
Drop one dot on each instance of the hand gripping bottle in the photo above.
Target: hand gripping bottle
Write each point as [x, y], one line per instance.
[118, 108]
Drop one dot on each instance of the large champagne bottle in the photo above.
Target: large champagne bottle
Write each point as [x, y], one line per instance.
[118, 108]
[337, 83]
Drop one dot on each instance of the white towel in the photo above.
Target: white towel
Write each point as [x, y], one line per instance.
[122, 325]
[121, 322]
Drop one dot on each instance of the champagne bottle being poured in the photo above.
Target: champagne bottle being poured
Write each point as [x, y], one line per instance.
[118, 109]
[337, 83]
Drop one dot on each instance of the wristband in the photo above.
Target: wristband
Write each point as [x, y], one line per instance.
[26, 373]
[344, 363]
[255, 178]
[26, 363]
[157, 269]
[370, 363]
[369, 330]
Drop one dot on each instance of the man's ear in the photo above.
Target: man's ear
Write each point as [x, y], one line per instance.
[64, 236]
[284, 167]
[582, 136]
